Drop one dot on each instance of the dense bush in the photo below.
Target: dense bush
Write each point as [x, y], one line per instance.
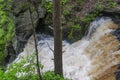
[25, 69]
[6, 27]
[51, 76]
[47, 4]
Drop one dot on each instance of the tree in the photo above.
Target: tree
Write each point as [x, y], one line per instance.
[35, 40]
[57, 37]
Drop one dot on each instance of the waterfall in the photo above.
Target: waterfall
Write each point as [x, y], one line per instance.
[95, 57]
[95, 24]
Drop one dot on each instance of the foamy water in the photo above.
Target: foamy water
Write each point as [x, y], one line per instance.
[82, 59]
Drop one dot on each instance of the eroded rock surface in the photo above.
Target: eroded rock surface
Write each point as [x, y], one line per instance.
[23, 27]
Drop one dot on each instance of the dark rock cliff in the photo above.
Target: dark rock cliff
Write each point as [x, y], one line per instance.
[23, 28]
[72, 11]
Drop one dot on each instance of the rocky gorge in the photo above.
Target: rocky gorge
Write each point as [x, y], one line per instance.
[74, 10]
[76, 17]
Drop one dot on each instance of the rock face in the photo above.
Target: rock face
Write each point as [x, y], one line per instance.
[72, 26]
[23, 28]
[70, 19]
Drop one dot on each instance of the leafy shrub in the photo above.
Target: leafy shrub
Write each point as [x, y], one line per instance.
[99, 6]
[6, 27]
[48, 5]
[49, 75]
[74, 27]
[25, 69]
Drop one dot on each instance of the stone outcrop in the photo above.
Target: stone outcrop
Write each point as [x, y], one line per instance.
[23, 28]
[70, 18]
[71, 13]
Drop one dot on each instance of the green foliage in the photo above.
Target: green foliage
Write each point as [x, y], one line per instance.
[25, 65]
[100, 5]
[70, 36]
[51, 76]
[25, 69]
[21, 70]
[107, 4]
[73, 29]
[66, 9]
[6, 76]
[80, 2]
[6, 26]
[77, 26]
[63, 2]
[65, 12]
[48, 5]
[89, 17]
[111, 4]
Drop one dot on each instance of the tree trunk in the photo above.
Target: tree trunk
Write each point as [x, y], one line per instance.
[35, 41]
[57, 37]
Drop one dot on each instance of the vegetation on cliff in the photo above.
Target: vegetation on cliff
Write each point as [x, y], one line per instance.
[76, 17]
[6, 27]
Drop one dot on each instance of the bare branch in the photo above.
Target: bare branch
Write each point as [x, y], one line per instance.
[50, 47]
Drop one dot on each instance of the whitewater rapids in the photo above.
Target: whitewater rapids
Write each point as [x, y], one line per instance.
[95, 57]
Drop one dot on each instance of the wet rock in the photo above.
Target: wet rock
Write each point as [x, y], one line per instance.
[117, 73]
[118, 1]
[10, 53]
[117, 33]
[23, 28]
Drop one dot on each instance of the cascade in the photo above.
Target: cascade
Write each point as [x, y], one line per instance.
[95, 57]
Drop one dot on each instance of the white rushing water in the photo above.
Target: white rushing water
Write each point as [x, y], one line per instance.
[76, 63]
